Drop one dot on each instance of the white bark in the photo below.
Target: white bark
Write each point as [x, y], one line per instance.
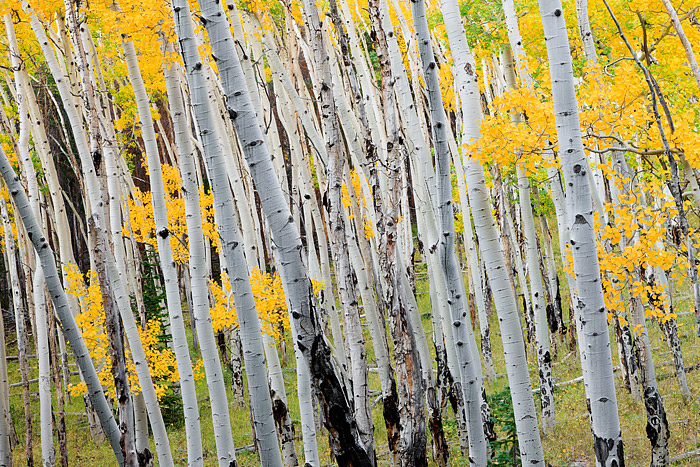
[199, 273]
[538, 303]
[167, 264]
[58, 296]
[5, 416]
[471, 384]
[692, 61]
[237, 268]
[504, 298]
[297, 285]
[594, 337]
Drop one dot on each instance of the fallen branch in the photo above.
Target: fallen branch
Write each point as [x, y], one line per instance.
[668, 375]
[571, 381]
[685, 455]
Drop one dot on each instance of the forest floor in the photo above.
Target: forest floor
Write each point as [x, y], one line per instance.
[570, 444]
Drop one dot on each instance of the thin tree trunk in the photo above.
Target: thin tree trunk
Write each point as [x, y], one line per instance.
[20, 329]
[116, 347]
[471, 384]
[6, 416]
[58, 296]
[544, 359]
[177, 326]
[198, 274]
[692, 61]
[506, 306]
[411, 421]
[346, 287]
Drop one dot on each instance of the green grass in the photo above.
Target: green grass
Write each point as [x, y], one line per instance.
[571, 441]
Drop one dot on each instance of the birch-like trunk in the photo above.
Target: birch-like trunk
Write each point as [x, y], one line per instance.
[336, 218]
[466, 82]
[236, 266]
[296, 282]
[5, 416]
[199, 273]
[21, 332]
[58, 296]
[593, 335]
[167, 264]
[692, 61]
[410, 418]
[471, 384]
[544, 359]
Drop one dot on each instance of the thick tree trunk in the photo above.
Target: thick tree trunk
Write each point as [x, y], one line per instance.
[297, 285]
[600, 390]
[236, 266]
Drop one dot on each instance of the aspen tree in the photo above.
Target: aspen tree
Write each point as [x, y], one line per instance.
[93, 191]
[235, 261]
[538, 303]
[297, 285]
[346, 287]
[58, 296]
[198, 271]
[506, 306]
[687, 47]
[410, 418]
[189, 396]
[593, 335]
[471, 386]
[16, 303]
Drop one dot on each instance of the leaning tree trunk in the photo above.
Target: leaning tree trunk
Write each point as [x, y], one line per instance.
[684, 40]
[471, 384]
[593, 336]
[58, 296]
[167, 264]
[344, 279]
[297, 285]
[251, 338]
[506, 305]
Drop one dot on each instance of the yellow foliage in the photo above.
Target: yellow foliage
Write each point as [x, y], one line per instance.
[143, 222]
[270, 303]
[91, 321]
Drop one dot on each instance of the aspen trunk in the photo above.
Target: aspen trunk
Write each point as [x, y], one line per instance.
[177, 326]
[118, 364]
[58, 296]
[199, 274]
[410, 419]
[600, 390]
[295, 279]
[20, 328]
[544, 359]
[5, 416]
[692, 61]
[471, 384]
[504, 298]
[346, 287]
[251, 339]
